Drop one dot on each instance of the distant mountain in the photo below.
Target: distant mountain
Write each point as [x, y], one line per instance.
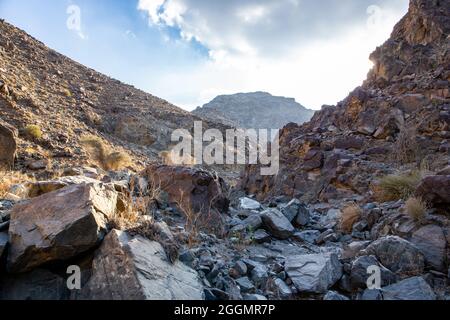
[256, 110]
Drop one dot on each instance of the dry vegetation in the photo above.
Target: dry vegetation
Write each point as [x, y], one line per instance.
[416, 208]
[106, 158]
[33, 131]
[8, 179]
[406, 149]
[396, 187]
[350, 215]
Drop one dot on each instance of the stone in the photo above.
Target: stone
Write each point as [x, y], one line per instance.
[277, 224]
[59, 225]
[261, 236]
[352, 249]
[415, 288]
[191, 189]
[241, 268]
[296, 211]
[314, 273]
[432, 243]
[435, 189]
[253, 222]
[141, 271]
[246, 285]
[249, 204]
[303, 217]
[8, 145]
[351, 142]
[37, 164]
[334, 296]
[398, 255]
[35, 189]
[3, 242]
[36, 285]
[254, 297]
[359, 272]
[314, 159]
[282, 290]
[309, 236]
[372, 295]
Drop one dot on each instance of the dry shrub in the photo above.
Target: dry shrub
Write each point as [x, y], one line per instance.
[33, 131]
[350, 215]
[416, 208]
[397, 187]
[406, 149]
[103, 155]
[8, 179]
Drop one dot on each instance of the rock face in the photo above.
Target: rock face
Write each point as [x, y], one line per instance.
[409, 289]
[8, 145]
[59, 225]
[258, 110]
[127, 268]
[430, 240]
[196, 189]
[277, 224]
[345, 147]
[398, 255]
[314, 273]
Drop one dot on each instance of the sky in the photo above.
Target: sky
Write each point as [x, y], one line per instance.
[190, 51]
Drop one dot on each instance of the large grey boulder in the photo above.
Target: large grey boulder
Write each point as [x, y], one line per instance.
[398, 255]
[415, 288]
[135, 268]
[59, 225]
[296, 212]
[249, 204]
[277, 224]
[432, 243]
[314, 273]
[8, 145]
[359, 272]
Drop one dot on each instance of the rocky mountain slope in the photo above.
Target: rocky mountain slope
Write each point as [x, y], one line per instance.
[257, 110]
[66, 100]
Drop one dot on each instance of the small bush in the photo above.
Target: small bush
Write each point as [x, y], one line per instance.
[406, 148]
[33, 131]
[396, 187]
[416, 208]
[350, 215]
[100, 153]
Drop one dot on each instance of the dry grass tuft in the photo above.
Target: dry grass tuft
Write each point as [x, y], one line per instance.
[397, 187]
[100, 153]
[416, 208]
[8, 179]
[33, 131]
[406, 149]
[350, 215]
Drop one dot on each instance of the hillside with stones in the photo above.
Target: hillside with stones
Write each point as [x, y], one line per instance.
[257, 110]
[363, 186]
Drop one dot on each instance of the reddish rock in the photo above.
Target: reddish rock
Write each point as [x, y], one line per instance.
[435, 190]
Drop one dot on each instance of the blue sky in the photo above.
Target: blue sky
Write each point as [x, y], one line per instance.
[189, 51]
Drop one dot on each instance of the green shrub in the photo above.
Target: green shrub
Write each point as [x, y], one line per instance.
[33, 131]
[396, 187]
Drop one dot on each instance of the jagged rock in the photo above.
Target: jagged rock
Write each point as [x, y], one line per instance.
[277, 224]
[309, 236]
[259, 275]
[314, 273]
[254, 297]
[246, 285]
[282, 290]
[359, 272]
[352, 249]
[415, 288]
[59, 225]
[141, 272]
[241, 268]
[296, 212]
[432, 243]
[435, 189]
[249, 204]
[253, 222]
[194, 189]
[372, 295]
[3, 242]
[398, 255]
[36, 285]
[35, 189]
[37, 164]
[8, 145]
[334, 296]
[261, 236]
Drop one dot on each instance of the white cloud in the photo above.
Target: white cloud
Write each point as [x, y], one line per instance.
[315, 51]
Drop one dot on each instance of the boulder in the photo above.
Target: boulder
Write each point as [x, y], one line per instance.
[135, 268]
[59, 225]
[253, 222]
[282, 290]
[314, 273]
[435, 189]
[194, 189]
[334, 296]
[309, 236]
[398, 255]
[261, 236]
[36, 285]
[415, 288]
[296, 212]
[277, 224]
[246, 285]
[359, 272]
[35, 189]
[249, 204]
[8, 145]
[432, 243]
